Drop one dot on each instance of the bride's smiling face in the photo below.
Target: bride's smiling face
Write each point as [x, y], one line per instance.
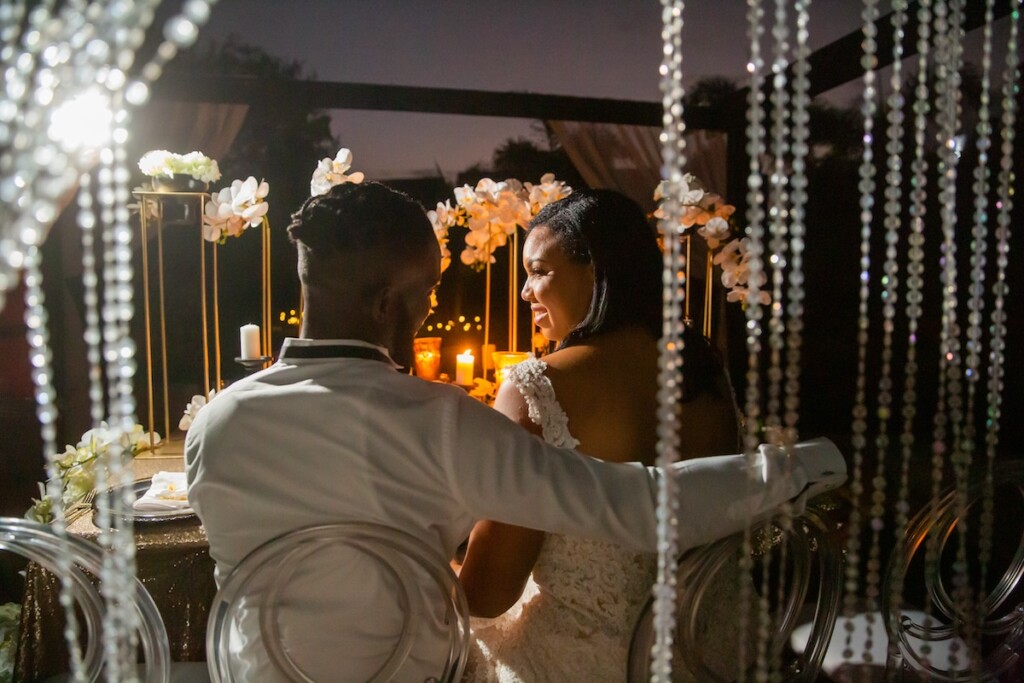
[557, 288]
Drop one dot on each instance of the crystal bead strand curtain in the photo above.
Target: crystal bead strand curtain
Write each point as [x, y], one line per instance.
[915, 264]
[777, 134]
[997, 318]
[670, 349]
[56, 57]
[937, 136]
[755, 148]
[784, 205]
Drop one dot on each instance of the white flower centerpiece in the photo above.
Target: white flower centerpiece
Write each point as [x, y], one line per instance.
[491, 212]
[78, 465]
[171, 172]
[726, 248]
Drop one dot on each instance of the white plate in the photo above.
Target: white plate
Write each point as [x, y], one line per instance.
[138, 489]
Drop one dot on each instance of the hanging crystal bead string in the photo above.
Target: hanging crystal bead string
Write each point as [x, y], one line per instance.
[778, 201]
[670, 346]
[797, 228]
[90, 284]
[119, 352]
[34, 172]
[976, 290]
[948, 422]
[915, 284]
[889, 281]
[866, 172]
[1000, 287]
[755, 149]
[778, 213]
[180, 31]
[36, 323]
[63, 54]
[979, 236]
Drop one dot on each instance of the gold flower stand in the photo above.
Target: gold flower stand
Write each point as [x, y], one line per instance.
[153, 207]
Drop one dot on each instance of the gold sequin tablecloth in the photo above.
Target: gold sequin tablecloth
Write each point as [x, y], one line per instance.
[173, 563]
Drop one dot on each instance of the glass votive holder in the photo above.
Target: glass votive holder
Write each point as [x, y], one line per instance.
[503, 360]
[427, 356]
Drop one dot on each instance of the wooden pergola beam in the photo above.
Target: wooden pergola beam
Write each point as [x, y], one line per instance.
[831, 66]
[185, 87]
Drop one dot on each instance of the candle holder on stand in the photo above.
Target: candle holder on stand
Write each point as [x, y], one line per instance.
[253, 365]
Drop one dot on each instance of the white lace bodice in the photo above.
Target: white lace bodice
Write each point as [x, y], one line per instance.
[576, 616]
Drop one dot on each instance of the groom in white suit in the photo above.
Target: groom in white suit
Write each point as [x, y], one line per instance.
[334, 432]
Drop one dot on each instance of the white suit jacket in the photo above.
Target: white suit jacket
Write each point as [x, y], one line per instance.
[314, 441]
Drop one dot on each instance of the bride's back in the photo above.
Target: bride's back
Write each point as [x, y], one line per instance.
[607, 387]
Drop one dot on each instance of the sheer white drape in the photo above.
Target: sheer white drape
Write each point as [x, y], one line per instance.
[628, 158]
[185, 126]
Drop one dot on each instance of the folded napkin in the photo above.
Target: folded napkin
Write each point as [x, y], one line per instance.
[168, 491]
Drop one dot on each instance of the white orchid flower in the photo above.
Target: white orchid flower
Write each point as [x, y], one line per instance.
[487, 189]
[73, 456]
[690, 191]
[331, 172]
[197, 403]
[465, 196]
[247, 200]
[444, 216]
[715, 231]
[99, 438]
[549, 190]
[140, 439]
[748, 296]
[219, 219]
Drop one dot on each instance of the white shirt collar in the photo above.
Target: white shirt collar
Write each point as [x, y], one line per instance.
[298, 342]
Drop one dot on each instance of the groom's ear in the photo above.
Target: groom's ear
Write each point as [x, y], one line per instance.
[381, 302]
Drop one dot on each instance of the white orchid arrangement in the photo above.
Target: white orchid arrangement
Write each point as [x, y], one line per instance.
[330, 172]
[491, 212]
[197, 403]
[160, 162]
[713, 218]
[235, 208]
[77, 465]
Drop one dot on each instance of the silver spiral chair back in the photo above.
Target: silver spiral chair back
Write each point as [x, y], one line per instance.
[711, 643]
[40, 544]
[383, 571]
[937, 644]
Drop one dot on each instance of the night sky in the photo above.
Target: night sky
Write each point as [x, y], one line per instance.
[593, 48]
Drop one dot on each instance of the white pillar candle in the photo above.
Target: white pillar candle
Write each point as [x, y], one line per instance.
[250, 338]
[464, 363]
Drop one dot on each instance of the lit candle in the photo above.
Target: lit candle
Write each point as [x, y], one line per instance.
[427, 352]
[464, 363]
[250, 338]
[503, 360]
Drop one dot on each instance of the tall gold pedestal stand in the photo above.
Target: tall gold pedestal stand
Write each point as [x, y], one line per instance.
[152, 206]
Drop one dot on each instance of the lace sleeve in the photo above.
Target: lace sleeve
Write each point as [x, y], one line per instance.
[543, 408]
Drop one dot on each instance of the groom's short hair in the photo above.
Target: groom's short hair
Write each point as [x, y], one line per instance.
[352, 218]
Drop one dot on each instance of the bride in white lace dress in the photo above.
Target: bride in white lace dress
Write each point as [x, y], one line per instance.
[558, 608]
